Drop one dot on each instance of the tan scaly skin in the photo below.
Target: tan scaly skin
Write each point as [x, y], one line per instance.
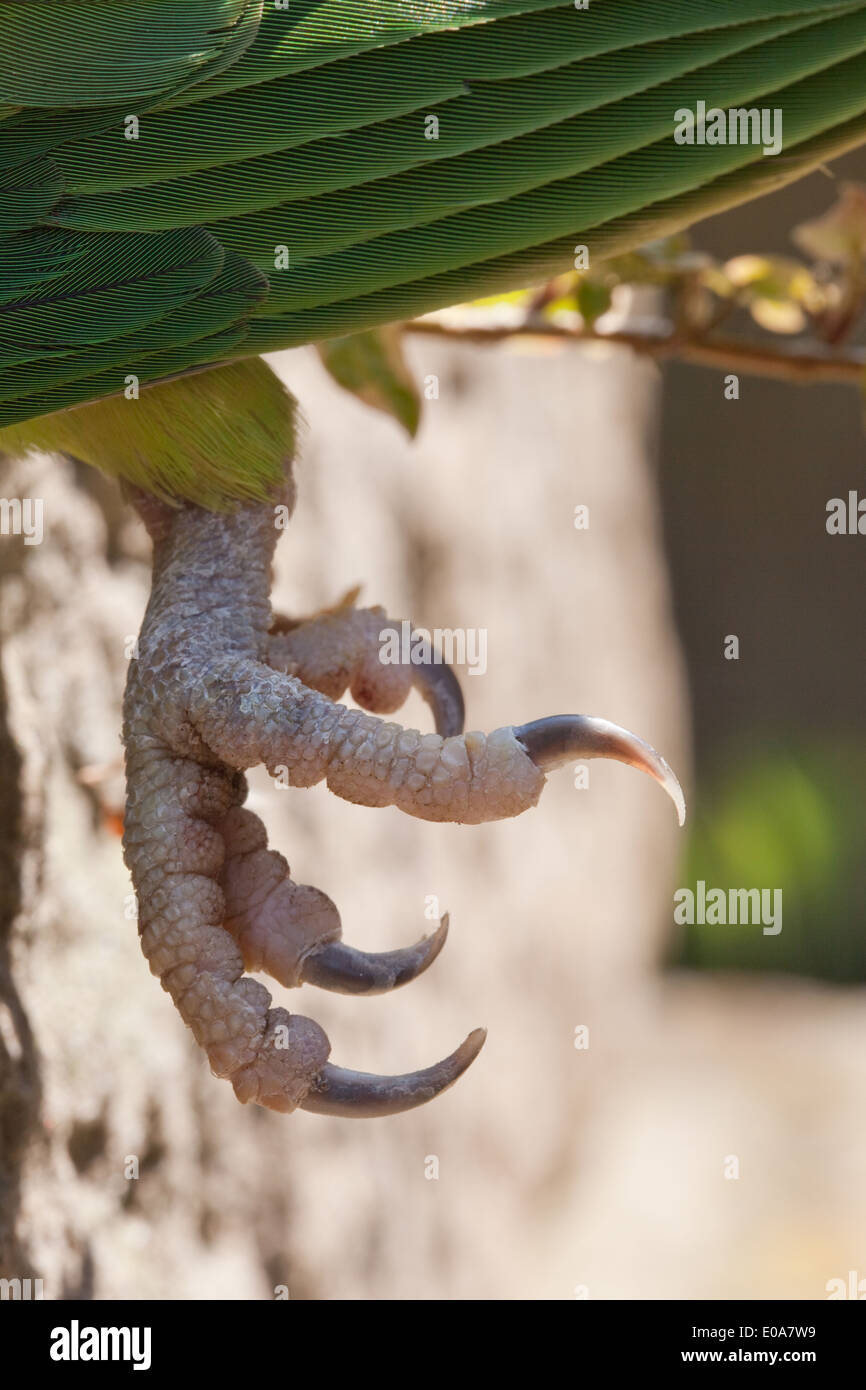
[219, 686]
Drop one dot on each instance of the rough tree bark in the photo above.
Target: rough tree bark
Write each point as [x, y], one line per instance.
[557, 918]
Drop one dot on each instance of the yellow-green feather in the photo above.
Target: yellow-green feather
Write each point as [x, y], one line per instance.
[248, 177]
[212, 437]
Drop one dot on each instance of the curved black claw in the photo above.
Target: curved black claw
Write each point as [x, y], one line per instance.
[437, 684]
[552, 742]
[361, 1095]
[344, 970]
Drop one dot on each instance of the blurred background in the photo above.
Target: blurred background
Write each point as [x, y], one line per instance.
[660, 1111]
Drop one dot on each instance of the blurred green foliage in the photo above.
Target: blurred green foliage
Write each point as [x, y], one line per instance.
[790, 817]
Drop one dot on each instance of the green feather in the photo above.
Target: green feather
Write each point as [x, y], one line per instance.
[223, 303]
[535, 126]
[314, 32]
[304, 130]
[535, 166]
[543, 261]
[117, 285]
[112, 51]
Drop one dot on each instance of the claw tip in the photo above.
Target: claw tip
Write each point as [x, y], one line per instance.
[671, 784]
[470, 1048]
[552, 742]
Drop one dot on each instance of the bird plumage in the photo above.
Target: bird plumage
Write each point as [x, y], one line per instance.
[185, 185]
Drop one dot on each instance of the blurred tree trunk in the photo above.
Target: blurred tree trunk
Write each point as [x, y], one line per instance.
[557, 919]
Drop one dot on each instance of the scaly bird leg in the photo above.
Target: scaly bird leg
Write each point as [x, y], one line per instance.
[203, 702]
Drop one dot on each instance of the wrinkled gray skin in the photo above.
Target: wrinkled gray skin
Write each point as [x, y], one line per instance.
[218, 687]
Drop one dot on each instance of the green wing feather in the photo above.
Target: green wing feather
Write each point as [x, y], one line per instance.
[281, 185]
[111, 52]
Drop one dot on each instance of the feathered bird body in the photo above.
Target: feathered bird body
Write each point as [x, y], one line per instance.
[185, 185]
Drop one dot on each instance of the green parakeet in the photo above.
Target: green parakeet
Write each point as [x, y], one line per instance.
[186, 186]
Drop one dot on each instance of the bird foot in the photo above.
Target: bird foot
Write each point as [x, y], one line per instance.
[220, 685]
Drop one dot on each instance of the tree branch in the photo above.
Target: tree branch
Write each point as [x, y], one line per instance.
[724, 354]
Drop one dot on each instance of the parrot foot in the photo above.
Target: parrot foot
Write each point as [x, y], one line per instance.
[220, 685]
